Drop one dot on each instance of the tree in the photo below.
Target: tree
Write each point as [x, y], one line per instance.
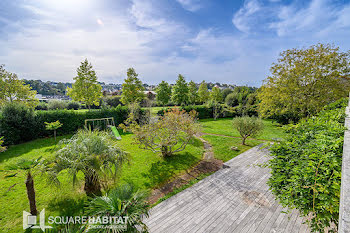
[86, 88]
[192, 93]
[53, 126]
[203, 92]
[180, 91]
[28, 166]
[14, 90]
[132, 91]
[126, 202]
[170, 134]
[226, 92]
[163, 93]
[247, 126]
[2, 148]
[303, 81]
[91, 152]
[216, 95]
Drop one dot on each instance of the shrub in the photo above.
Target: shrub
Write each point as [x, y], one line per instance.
[113, 101]
[306, 167]
[41, 106]
[73, 105]
[248, 126]
[17, 123]
[2, 148]
[56, 104]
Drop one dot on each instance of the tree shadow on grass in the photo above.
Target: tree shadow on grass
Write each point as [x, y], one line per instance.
[67, 206]
[163, 170]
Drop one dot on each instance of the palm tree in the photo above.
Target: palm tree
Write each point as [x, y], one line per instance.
[123, 201]
[28, 166]
[94, 153]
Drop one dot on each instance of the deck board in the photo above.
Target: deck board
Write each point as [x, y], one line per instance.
[234, 199]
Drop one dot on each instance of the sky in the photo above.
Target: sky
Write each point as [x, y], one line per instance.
[224, 41]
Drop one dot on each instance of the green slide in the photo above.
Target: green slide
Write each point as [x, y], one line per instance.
[115, 132]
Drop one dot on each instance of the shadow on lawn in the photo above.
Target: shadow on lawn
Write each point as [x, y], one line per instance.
[67, 206]
[163, 170]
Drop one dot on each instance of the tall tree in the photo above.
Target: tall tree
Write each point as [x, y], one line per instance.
[303, 81]
[163, 93]
[14, 90]
[203, 92]
[192, 93]
[132, 91]
[86, 88]
[180, 91]
[216, 94]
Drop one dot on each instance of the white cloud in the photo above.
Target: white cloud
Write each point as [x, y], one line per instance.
[190, 5]
[243, 18]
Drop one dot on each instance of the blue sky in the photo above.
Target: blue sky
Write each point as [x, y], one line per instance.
[220, 41]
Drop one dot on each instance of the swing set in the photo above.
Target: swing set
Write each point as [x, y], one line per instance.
[103, 124]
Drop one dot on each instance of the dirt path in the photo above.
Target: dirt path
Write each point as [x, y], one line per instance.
[207, 165]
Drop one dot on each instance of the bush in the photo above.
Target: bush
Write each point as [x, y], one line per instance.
[17, 123]
[306, 166]
[56, 104]
[41, 106]
[113, 101]
[232, 99]
[73, 105]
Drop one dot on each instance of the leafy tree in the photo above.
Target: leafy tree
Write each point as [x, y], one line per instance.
[28, 166]
[53, 126]
[170, 134]
[132, 91]
[192, 93]
[94, 153]
[306, 167]
[163, 93]
[216, 95]
[180, 91]
[124, 201]
[232, 99]
[203, 92]
[303, 81]
[226, 92]
[247, 126]
[14, 90]
[86, 88]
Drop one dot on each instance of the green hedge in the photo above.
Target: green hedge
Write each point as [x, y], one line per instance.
[19, 125]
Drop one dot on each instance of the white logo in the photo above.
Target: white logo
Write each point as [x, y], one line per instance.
[29, 221]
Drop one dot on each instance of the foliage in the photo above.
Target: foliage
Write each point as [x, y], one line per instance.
[247, 126]
[232, 99]
[163, 93]
[203, 92]
[180, 91]
[53, 126]
[132, 91]
[2, 148]
[170, 134]
[303, 81]
[73, 105]
[56, 104]
[17, 123]
[226, 92]
[124, 201]
[94, 153]
[113, 101]
[47, 88]
[41, 106]
[192, 93]
[14, 90]
[216, 95]
[86, 87]
[306, 167]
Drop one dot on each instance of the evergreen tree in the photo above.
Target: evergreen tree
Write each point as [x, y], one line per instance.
[203, 92]
[192, 93]
[163, 93]
[180, 91]
[132, 91]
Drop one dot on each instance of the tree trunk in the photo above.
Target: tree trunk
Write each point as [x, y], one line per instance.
[54, 134]
[243, 141]
[92, 185]
[165, 151]
[31, 194]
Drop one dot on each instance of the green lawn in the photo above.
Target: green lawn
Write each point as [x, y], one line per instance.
[224, 126]
[222, 146]
[146, 170]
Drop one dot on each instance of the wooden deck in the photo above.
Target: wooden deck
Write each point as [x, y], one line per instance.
[234, 199]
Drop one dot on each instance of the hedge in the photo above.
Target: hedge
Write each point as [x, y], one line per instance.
[17, 128]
